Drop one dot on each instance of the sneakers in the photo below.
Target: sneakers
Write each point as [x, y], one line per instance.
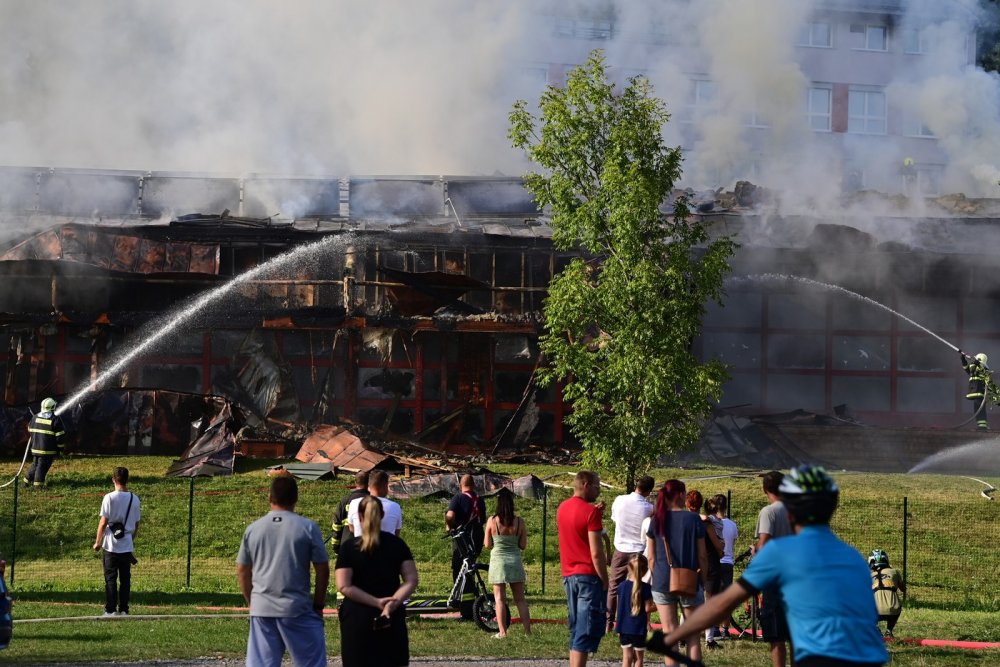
[888, 634]
[123, 613]
[108, 613]
[713, 645]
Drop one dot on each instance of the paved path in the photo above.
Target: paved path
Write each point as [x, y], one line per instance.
[335, 662]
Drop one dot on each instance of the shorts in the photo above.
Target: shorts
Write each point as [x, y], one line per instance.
[773, 627]
[693, 601]
[637, 642]
[586, 601]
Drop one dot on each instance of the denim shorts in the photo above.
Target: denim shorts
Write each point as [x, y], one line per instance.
[693, 601]
[586, 601]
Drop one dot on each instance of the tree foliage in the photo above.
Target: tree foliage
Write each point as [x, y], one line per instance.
[620, 319]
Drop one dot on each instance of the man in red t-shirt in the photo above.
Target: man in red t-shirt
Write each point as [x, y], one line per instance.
[584, 566]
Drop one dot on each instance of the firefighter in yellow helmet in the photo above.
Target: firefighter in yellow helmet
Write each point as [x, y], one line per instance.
[980, 380]
[45, 435]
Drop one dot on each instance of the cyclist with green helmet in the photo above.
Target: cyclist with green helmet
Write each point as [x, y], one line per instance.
[824, 584]
[887, 584]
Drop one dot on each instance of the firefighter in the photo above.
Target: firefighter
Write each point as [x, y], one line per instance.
[908, 170]
[45, 437]
[980, 382]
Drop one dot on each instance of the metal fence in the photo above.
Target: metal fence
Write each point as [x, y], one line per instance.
[191, 531]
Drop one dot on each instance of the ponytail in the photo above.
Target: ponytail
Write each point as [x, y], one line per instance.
[637, 567]
[370, 512]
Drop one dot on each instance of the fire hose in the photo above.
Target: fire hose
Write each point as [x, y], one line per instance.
[27, 446]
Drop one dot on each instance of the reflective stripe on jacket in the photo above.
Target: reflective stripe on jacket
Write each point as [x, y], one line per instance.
[46, 433]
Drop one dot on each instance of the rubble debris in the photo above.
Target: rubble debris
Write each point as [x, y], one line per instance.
[261, 381]
[340, 448]
[487, 484]
[957, 203]
[312, 471]
[422, 293]
[211, 454]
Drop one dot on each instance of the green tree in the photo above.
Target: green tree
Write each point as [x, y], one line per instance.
[620, 319]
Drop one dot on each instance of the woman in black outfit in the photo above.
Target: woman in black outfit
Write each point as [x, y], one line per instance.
[375, 574]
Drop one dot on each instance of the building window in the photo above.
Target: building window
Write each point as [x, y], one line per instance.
[535, 73]
[913, 41]
[583, 28]
[563, 27]
[913, 126]
[929, 179]
[818, 107]
[816, 35]
[866, 112]
[755, 118]
[595, 29]
[869, 37]
[700, 99]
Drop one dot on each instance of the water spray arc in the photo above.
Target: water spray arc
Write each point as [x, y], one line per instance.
[784, 278]
[156, 331]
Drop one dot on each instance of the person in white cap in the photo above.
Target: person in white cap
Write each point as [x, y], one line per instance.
[45, 434]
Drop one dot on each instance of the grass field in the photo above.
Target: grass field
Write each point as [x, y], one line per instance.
[952, 566]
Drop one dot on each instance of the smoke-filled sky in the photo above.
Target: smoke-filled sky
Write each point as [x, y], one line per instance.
[338, 87]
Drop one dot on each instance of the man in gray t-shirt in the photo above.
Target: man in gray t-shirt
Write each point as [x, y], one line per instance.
[273, 570]
[772, 523]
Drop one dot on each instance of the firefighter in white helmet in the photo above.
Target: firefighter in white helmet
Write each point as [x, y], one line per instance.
[980, 382]
[45, 433]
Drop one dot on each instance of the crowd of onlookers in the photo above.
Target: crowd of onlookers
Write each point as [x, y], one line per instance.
[675, 557]
[672, 556]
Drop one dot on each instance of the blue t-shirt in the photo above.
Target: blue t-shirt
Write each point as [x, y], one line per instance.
[826, 590]
[626, 623]
[686, 528]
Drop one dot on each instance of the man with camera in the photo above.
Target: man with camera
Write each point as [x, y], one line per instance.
[116, 531]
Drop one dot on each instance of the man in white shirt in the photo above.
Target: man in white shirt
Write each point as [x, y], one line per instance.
[119, 509]
[627, 512]
[392, 513]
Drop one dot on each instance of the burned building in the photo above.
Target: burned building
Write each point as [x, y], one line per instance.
[413, 305]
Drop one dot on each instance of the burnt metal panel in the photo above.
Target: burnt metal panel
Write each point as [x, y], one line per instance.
[178, 257]
[291, 197]
[491, 197]
[149, 258]
[125, 252]
[387, 198]
[178, 195]
[204, 259]
[18, 189]
[88, 194]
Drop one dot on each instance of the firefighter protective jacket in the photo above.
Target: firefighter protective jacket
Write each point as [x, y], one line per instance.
[979, 377]
[46, 432]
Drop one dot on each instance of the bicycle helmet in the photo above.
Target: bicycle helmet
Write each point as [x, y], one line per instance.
[809, 494]
[878, 558]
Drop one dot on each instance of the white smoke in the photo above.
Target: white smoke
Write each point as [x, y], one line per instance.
[335, 87]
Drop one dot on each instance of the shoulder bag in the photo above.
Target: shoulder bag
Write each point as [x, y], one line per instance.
[683, 580]
[118, 527]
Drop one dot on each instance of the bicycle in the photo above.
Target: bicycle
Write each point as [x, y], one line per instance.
[483, 605]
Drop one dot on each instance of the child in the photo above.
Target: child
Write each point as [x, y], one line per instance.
[886, 583]
[635, 601]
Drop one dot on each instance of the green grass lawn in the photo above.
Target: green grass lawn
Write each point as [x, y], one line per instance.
[951, 562]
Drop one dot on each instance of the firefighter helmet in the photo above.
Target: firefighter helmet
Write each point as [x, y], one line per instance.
[982, 358]
[49, 404]
[877, 558]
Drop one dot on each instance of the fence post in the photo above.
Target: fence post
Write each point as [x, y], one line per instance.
[13, 533]
[190, 529]
[906, 526]
[545, 529]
